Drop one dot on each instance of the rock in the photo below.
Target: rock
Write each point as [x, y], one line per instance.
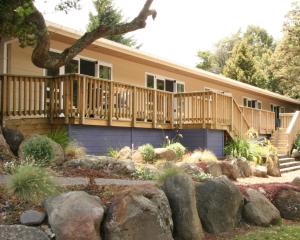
[229, 170]
[296, 154]
[296, 181]
[219, 204]
[104, 163]
[258, 210]
[243, 167]
[214, 169]
[13, 138]
[32, 218]
[189, 168]
[165, 154]
[180, 192]
[287, 202]
[273, 166]
[141, 212]
[5, 151]
[59, 156]
[124, 153]
[137, 157]
[260, 171]
[75, 215]
[20, 232]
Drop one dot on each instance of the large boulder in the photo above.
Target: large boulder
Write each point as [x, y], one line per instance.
[58, 157]
[260, 171]
[287, 202]
[32, 218]
[296, 154]
[273, 168]
[180, 192]
[258, 210]
[165, 154]
[137, 157]
[189, 168]
[243, 167]
[104, 163]
[141, 212]
[5, 151]
[211, 167]
[124, 153]
[296, 182]
[230, 170]
[20, 232]
[75, 215]
[13, 138]
[219, 204]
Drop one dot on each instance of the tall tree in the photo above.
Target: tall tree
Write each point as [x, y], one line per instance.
[106, 12]
[22, 20]
[286, 59]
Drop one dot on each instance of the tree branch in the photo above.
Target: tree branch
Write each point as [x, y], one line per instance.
[42, 57]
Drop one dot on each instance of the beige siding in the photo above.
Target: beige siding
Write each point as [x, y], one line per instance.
[133, 72]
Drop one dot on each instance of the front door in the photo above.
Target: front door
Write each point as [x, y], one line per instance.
[276, 110]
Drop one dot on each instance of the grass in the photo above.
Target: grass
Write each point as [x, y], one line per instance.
[284, 232]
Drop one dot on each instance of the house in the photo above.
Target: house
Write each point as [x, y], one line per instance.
[111, 95]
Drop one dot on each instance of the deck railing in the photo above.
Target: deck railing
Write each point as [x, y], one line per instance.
[285, 119]
[81, 99]
[261, 120]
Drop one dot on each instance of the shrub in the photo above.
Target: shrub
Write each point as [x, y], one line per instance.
[10, 167]
[112, 152]
[74, 151]
[60, 136]
[168, 172]
[297, 143]
[39, 149]
[31, 183]
[238, 147]
[201, 155]
[145, 174]
[178, 148]
[147, 152]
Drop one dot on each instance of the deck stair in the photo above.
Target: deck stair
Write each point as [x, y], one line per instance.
[288, 164]
[280, 140]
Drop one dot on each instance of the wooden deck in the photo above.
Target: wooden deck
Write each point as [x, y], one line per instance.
[79, 99]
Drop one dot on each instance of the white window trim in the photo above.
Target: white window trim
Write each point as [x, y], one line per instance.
[151, 74]
[106, 64]
[180, 82]
[163, 78]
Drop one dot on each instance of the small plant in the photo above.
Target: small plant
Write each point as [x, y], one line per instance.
[168, 141]
[201, 155]
[201, 176]
[74, 151]
[145, 174]
[168, 172]
[147, 152]
[40, 150]
[178, 148]
[297, 144]
[238, 147]
[10, 167]
[112, 152]
[31, 183]
[60, 136]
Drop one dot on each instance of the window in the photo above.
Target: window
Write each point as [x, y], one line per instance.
[247, 102]
[170, 85]
[87, 67]
[150, 81]
[160, 84]
[259, 105]
[105, 72]
[180, 87]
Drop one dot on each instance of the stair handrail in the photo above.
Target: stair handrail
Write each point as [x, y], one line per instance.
[293, 129]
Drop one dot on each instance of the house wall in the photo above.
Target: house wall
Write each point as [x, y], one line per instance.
[97, 139]
[133, 72]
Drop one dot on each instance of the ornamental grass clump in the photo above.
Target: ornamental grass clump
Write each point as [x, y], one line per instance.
[32, 184]
[60, 136]
[40, 150]
[74, 151]
[147, 152]
[201, 156]
[178, 148]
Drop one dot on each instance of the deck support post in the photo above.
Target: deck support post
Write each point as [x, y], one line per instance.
[83, 98]
[134, 107]
[111, 103]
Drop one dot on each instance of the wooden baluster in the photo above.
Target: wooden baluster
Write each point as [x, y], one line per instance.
[20, 96]
[111, 103]
[8, 96]
[83, 98]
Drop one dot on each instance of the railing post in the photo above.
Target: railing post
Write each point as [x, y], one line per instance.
[66, 84]
[51, 100]
[181, 111]
[154, 117]
[111, 103]
[216, 110]
[134, 107]
[259, 131]
[232, 118]
[172, 110]
[3, 99]
[83, 98]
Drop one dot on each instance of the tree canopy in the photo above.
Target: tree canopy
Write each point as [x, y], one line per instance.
[22, 20]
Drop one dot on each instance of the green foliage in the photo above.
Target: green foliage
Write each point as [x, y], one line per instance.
[39, 149]
[297, 144]
[168, 172]
[31, 183]
[147, 152]
[238, 147]
[60, 136]
[10, 167]
[112, 152]
[178, 148]
[201, 176]
[109, 15]
[144, 173]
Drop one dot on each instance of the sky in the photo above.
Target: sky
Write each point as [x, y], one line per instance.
[183, 27]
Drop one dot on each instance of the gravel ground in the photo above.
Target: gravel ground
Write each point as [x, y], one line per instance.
[286, 177]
